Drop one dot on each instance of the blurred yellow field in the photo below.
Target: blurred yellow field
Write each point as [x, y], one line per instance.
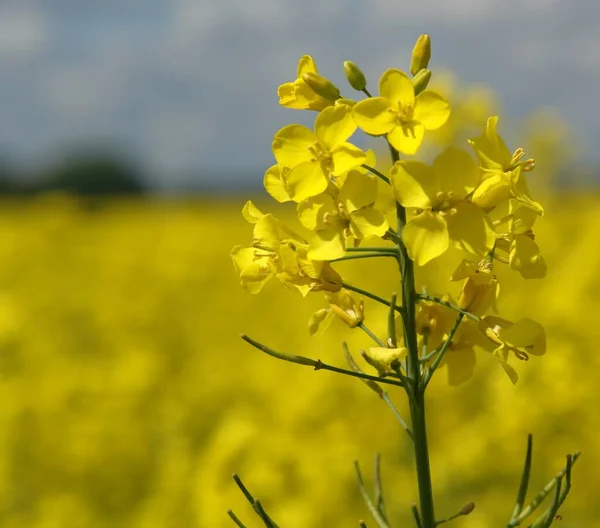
[128, 398]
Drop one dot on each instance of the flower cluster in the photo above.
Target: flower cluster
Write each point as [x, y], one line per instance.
[473, 200]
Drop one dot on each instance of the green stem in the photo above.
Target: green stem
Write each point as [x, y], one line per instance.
[317, 364]
[366, 92]
[437, 300]
[371, 335]
[376, 172]
[413, 370]
[442, 352]
[372, 248]
[369, 295]
[363, 256]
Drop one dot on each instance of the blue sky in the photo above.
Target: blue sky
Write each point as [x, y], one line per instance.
[188, 87]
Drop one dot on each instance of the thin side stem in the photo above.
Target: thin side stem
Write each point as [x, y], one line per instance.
[533, 505]
[317, 364]
[370, 295]
[522, 493]
[371, 248]
[442, 352]
[363, 256]
[447, 304]
[376, 172]
[379, 520]
[364, 328]
[235, 519]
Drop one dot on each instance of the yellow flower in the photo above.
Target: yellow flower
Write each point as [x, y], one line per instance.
[521, 339]
[443, 214]
[503, 173]
[298, 94]
[480, 288]
[341, 213]
[385, 360]
[312, 158]
[436, 321]
[399, 114]
[276, 251]
[341, 303]
[519, 243]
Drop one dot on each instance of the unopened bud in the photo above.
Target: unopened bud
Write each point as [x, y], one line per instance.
[421, 54]
[421, 80]
[385, 360]
[321, 86]
[356, 78]
[467, 508]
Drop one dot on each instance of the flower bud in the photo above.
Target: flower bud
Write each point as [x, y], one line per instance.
[421, 80]
[467, 508]
[385, 360]
[321, 86]
[421, 54]
[356, 78]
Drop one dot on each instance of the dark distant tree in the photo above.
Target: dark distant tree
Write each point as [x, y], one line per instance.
[93, 174]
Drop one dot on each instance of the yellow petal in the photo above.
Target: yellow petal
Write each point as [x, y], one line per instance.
[327, 244]
[345, 157]
[306, 99]
[266, 232]
[397, 88]
[431, 110]
[383, 358]
[525, 257]
[319, 322]
[251, 213]
[461, 365]
[373, 115]
[426, 237]
[527, 334]
[522, 218]
[491, 150]
[492, 191]
[334, 125]
[359, 190]
[465, 269]
[306, 180]
[311, 212]
[470, 229]
[407, 138]
[291, 145]
[414, 184]
[306, 64]
[275, 185]
[456, 172]
[287, 96]
[367, 222]
[502, 359]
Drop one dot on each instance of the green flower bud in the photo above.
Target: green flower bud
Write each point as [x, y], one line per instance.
[421, 80]
[321, 86]
[421, 54]
[356, 78]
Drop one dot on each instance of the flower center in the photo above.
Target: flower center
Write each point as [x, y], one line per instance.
[444, 203]
[339, 218]
[404, 115]
[322, 155]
